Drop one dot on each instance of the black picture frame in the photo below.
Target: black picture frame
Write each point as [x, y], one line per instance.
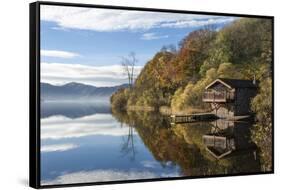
[34, 91]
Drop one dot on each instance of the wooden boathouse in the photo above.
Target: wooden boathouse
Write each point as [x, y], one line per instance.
[230, 98]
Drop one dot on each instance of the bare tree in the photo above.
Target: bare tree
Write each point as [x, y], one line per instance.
[129, 64]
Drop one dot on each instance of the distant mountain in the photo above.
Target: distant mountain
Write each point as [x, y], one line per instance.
[76, 91]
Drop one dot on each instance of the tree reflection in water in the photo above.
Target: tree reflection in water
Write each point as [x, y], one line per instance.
[182, 144]
[128, 147]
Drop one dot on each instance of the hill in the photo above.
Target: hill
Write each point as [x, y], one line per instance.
[76, 91]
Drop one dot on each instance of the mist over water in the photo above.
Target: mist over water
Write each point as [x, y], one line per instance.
[73, 109]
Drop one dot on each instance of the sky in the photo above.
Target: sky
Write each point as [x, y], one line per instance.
[86, 45]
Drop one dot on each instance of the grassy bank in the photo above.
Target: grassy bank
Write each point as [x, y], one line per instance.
[165, 110]
[140, 108]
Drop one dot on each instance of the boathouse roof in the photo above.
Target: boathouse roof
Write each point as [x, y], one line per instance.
[233, 83]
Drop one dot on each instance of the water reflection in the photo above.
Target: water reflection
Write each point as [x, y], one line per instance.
[184, 145]
[94, 147]
[88, 143]
[73, 109]
[229, 138]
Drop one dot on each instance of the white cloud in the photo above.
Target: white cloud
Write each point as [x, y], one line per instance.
[59, 73]
[57, 147]
[198, 22]
[104, 175]
[58, 54]
[152, 36]
[118, 20]
[59, 127]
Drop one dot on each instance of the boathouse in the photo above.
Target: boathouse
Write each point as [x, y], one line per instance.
[230, 98]
[228, 137]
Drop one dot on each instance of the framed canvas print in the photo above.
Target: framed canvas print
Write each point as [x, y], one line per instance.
[122, 94]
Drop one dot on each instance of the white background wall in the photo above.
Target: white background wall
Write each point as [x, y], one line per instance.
[14, 92]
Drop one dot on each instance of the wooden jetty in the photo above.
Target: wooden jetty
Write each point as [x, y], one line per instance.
[190, 118]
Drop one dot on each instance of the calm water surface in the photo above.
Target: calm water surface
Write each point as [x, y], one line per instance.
[86, 142]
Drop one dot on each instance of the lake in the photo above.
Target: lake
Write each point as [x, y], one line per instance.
[87, 142]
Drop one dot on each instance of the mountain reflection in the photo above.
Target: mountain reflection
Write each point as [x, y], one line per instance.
[73, 109]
